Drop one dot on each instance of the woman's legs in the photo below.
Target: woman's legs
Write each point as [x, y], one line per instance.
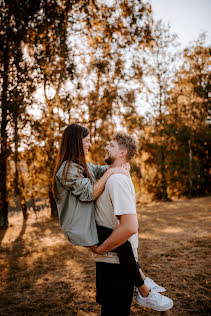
[126, 258]
[141, 272]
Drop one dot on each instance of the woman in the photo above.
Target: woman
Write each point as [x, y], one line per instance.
[76, 184]
[75, 187]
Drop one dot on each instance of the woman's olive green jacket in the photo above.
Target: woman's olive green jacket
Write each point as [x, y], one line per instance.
[75, 203]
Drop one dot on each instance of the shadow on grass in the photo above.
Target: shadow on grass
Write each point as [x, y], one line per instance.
[44, 280]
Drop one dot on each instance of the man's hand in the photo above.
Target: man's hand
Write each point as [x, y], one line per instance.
[97, 250]
[128, 226]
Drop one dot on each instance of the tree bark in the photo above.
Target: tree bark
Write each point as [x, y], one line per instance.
[53, 206]
[190, 169]
[51, 160]
[163, 173]
[16, 181]
[34, 205]
[21, 193]
[4, 149]
[23, 207]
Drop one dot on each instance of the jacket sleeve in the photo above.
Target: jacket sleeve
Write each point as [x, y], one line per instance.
[98, 170]
[78, 185]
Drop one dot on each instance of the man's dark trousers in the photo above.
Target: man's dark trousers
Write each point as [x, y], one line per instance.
[114, 289]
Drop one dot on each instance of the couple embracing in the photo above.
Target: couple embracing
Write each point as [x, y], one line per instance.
[97, 209]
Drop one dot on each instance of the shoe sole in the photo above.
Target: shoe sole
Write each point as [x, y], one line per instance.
[160, 309]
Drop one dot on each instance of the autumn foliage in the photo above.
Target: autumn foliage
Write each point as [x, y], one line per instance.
[98, 63]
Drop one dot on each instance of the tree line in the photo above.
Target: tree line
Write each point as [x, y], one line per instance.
[97, 63]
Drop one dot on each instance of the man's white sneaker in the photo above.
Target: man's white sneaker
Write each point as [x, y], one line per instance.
[153, 286]
[155, 301]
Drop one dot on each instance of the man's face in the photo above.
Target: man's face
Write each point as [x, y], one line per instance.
[112, 152]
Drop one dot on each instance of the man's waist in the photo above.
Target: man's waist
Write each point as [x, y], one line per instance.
[109, 257]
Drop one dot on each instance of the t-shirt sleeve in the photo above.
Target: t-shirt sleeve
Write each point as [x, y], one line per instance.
[121, 195]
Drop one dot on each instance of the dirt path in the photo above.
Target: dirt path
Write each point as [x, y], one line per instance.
[43, 275]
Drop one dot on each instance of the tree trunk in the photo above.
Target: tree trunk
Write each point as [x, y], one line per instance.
[163, 173]
[162, 167]
[50, 104]
[4, 150]
[53, 206]
[17, 189]
[34, 205]
[23, 207]
[21, 193]
[51, 161]
[190, 169]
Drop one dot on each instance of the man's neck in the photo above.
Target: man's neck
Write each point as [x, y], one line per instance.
[117, 163]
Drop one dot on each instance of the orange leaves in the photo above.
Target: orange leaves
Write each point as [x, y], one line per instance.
[98, 38]
[120, 24]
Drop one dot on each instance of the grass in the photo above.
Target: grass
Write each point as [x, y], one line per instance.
[44, 275]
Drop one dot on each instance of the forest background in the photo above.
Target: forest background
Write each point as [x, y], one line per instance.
[97, 63]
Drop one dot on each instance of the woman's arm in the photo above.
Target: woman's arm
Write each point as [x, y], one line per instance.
[98, 170]
[82, 187]
[100, 184]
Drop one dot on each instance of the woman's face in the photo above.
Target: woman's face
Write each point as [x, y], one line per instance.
[86, 144]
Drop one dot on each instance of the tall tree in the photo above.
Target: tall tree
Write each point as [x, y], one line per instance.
[53, 60]
[160, 60]
[14, 23]
[21, 96]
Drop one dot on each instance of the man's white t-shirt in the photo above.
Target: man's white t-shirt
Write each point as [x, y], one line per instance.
[118, 198]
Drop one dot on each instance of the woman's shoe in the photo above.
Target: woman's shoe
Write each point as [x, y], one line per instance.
[155, 301]
[153, 286]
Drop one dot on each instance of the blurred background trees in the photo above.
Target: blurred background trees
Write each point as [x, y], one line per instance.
[190, 113]
[94, 63]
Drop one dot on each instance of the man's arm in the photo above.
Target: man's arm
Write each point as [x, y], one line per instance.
[127, 227]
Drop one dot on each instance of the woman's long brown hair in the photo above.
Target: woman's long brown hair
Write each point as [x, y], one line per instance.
[71, 150]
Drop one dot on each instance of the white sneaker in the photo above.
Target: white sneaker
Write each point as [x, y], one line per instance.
[153, 286]
[155, 301]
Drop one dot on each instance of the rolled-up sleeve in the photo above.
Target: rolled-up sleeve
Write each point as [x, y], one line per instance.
[79, 185]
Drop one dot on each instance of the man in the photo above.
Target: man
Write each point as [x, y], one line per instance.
[116, 209]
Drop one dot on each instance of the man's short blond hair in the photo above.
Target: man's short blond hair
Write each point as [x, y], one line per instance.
[127, 142]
